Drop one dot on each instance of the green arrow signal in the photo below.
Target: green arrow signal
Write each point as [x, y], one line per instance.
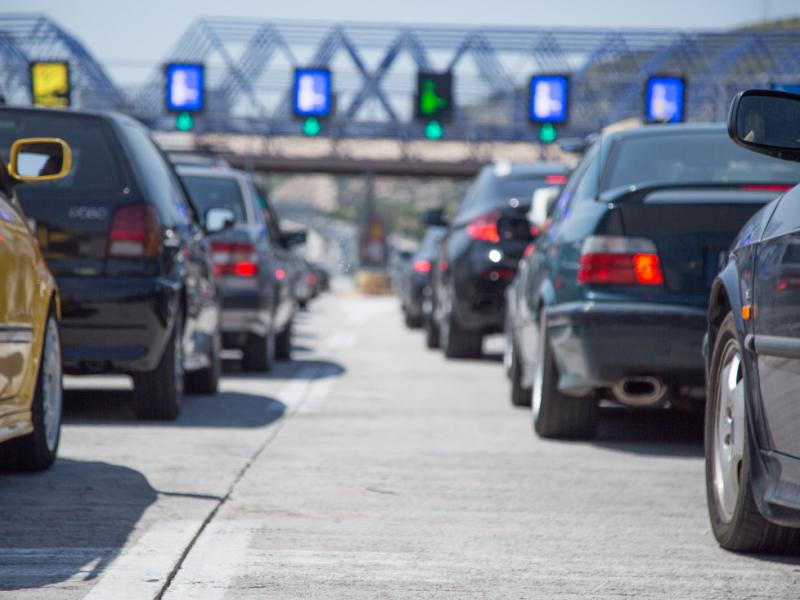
[434, 130]
[429, 100]
[548, 133]
[311, 126]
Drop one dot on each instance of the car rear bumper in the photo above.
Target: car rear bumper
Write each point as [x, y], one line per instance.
[115, 324]
[245, 312]
[598, 344]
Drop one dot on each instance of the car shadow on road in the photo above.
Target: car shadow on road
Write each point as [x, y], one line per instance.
[297, 368]
[225, 409]
[71, 520]
[653, 432]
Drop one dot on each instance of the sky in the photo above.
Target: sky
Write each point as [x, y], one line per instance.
[125, 33]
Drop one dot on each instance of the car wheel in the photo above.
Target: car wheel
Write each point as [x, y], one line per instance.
[259, 352]
[556, 415]
[283, 343]
[520, 395]
[411, 321]
[735, 519]
[457, 342]
[431, 333]
[206, 381]
[37, 450]
[159, 393]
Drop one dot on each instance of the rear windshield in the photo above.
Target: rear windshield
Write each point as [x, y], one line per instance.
[216, 192]
[693, 158]
[521, 187]
[96, 164]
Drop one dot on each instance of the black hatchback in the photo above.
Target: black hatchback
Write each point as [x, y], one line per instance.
[614, 298]
[130, 258]
[479, 253]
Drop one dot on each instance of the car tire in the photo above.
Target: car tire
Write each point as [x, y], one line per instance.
[737, 523]
[412, 322]
[259, 352]
[431, 333]
[159, 393]
[520, 395]
[457, 342]
[37, 450]
[283, 343]
[557, 415]
[206, 380]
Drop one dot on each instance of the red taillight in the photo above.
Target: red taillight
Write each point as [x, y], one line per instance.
[769, 187]
[280, 274]
[234, 259]
[484, 228]
[614, 260]
[312, 279]
[422, 266]
[555, 179]
[135, 232]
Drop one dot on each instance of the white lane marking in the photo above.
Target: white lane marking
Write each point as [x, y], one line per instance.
[213, 562]
[143, 569]
[317, 395]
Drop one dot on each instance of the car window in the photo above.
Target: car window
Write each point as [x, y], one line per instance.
[97, 165]
[209, 192]
[693, 157]
[588, 168]
[156, 176]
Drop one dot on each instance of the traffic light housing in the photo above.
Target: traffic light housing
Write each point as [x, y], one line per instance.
[434, 98]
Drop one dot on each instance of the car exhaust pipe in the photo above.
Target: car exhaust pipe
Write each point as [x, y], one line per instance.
[639, 391]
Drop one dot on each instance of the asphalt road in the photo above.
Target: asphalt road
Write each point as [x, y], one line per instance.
[368, 467]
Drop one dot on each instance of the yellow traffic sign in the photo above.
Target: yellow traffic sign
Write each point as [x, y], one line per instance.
[50, 84]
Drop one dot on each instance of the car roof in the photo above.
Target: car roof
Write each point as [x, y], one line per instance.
[207, 171]
[504, 168]
[666, 129]
[111, 115]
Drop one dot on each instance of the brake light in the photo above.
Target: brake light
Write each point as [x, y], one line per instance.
[619, 260]
[280, 274]
[769, 187]
[484, 228]
[234, 259]
[555, 179]
[422, 266]
[135, 232]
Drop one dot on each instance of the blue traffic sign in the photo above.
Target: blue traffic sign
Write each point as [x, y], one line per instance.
[312, 93]
[549, 98]
[185, 87]
[664, 99]
[785, 86]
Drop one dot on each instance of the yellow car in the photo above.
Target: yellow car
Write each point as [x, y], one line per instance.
[30, 348]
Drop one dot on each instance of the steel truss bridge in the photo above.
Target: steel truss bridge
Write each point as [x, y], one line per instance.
[250, 63]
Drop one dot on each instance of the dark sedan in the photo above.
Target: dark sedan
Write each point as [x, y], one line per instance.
[613, 298]
[479, 253]
[257, 304]
[753, 353]
[415, 281]
[130, 258]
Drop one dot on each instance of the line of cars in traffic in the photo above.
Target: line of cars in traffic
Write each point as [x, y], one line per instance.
[665, 274]
[113, 261]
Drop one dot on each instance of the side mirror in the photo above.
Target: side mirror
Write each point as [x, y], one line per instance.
[517, 229]
[219, 219]
[767, 122]
[294, 238]
[39, 159]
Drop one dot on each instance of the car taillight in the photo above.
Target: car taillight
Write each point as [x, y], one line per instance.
[619, 260]
[280, 274]
[484, 227]
[422, 266]
[234, 259]
[555, 179]
[135, 232]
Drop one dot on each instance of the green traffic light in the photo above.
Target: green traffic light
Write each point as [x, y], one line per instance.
[434, 130]
[311, 126]
[184, 122]
[548, 133]
[429, 101]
